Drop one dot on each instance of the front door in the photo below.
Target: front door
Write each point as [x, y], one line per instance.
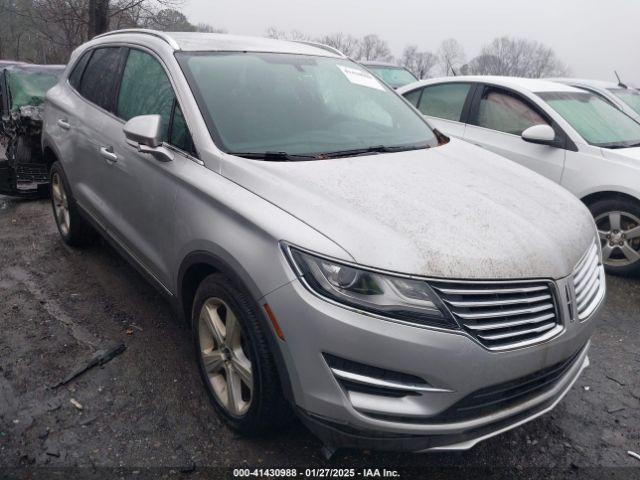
[82, 121]
[497, 120]
[143, 187]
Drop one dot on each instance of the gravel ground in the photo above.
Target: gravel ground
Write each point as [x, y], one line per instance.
[147, 407]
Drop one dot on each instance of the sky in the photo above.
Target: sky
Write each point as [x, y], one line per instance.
[593, 37]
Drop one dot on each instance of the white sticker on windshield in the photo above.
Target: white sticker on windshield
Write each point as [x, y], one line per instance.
[360, 77]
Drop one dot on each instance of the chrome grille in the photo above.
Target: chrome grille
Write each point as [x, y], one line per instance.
[503, 315]
[588, 283]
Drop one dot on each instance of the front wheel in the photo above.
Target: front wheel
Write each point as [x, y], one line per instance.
[235, 362]
[618, 223]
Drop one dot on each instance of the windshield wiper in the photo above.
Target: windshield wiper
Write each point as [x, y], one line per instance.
[375, 149]
[274, 156]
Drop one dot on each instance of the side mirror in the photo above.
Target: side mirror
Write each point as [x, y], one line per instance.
[144, 132]
[541, 134]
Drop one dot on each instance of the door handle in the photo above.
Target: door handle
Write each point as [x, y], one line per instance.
[64, 124]
[108, 154]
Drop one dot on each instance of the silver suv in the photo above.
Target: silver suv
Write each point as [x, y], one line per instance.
[333, 254]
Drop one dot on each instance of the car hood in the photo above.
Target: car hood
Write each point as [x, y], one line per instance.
[455, 211]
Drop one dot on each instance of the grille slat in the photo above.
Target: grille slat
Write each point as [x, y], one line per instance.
[582, 267]
[588, 274]
[587, 291]
[503, 315]
[498, 303]
[490, 291]
[518, 333]
[515, 323]
[588, 283]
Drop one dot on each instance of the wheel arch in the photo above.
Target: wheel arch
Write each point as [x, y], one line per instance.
[50, 154]
[608, 194]
[199, 264]
[195, 267]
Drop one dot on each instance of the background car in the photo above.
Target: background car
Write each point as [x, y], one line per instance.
[331, 252]
[393, 75]
[622, 96]
[22, 88]
[571, 136]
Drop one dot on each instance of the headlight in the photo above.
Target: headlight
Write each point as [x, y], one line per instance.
[389, 296]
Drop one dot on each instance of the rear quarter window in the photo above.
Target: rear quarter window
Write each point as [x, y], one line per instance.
[78, 70]
[413, 97]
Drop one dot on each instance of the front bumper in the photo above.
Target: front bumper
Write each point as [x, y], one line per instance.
[452, 362]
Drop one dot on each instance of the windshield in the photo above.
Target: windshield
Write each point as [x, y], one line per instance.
[629, 96]
[29, 87]
[596, 120]
[395, 76]
[299, 105]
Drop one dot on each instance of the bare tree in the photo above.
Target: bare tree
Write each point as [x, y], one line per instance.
[50, 29]
[451, 56]
[273, 32]
[420, 63]
[372, 47]
[206, 28]
[483, 64]
[345, 43]
[518, 58]
[409, 56]
[170, 20]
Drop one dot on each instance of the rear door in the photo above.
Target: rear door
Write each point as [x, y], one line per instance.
[497, 119]
[86, 122]
[444, 104]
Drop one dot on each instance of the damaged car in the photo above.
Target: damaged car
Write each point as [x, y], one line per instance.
[22, 87]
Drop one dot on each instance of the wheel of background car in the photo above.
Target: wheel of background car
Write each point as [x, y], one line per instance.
[235, 363]
[618, 222]
[73, 228]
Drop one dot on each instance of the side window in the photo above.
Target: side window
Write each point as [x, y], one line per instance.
[180, 136]
[101, 76]
[445, 100]
[145, 90]
[413, 97]
[78, 70]
[506, 112]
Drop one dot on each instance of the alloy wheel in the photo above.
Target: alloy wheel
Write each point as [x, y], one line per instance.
[619, 234]
[225, 358]
[60, 204]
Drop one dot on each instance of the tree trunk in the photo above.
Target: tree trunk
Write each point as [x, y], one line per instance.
[98, 17]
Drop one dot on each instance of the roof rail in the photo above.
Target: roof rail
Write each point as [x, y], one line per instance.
[322, 46]
[161, 35]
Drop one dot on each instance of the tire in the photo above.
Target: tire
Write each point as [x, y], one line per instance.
[261, 408]
[618, 222]
[73, 228]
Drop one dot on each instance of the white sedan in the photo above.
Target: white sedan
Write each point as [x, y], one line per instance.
[569, 135]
